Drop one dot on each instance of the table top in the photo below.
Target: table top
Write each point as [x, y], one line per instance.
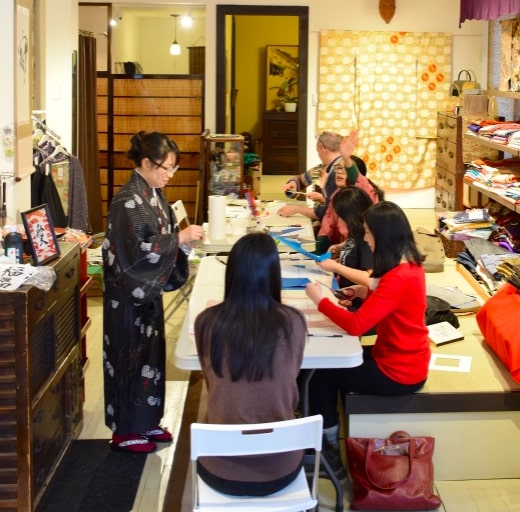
[297, 227]
[327, 346]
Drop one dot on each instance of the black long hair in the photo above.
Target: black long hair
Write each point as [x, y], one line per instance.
[393, 237]
[251, 321]
[350, 204]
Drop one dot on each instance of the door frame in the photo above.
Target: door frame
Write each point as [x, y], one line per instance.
[302, 12]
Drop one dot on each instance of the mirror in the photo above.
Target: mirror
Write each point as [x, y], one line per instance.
[228, 43]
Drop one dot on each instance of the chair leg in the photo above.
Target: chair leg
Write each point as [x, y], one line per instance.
[335, 483]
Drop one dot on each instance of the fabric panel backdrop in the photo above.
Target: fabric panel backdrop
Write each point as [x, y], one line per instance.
[88, 148]
[388, 85]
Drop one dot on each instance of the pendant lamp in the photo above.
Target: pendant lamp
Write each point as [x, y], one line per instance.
[175, 48]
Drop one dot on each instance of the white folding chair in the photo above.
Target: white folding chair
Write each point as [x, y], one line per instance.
[255, 439]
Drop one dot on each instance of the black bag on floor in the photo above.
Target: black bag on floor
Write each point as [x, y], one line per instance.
[438, 310]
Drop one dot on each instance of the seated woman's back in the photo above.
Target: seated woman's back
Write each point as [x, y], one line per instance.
[250, 348]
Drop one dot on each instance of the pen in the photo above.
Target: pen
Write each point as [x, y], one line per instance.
[221, 261]
[325, 335]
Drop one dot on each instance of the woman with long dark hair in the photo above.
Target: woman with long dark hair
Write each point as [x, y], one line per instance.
[250, 348]
[394, 302]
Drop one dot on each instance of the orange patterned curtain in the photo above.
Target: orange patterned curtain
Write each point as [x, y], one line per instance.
[388, 85]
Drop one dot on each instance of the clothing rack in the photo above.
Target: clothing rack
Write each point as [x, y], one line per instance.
[43, 126]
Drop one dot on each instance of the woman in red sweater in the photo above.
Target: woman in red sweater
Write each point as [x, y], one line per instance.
[395, 302]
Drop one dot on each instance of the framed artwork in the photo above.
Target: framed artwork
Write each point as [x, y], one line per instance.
[40, 234]
[281, 76]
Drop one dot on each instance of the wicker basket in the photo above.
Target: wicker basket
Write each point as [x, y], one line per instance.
[451, 247]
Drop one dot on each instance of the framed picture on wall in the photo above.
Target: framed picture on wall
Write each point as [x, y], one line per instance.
[281, 76]
[40, 234]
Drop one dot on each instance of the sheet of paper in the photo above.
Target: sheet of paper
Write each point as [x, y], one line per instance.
[450, 363]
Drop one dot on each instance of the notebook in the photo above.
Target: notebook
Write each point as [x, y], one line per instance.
[443, 332]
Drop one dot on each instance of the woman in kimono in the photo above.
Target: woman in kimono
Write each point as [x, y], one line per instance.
[140, 253]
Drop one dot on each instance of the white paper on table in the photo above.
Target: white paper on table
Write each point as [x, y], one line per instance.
[450, 363]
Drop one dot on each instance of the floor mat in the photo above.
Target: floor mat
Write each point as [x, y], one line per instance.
[92, 477]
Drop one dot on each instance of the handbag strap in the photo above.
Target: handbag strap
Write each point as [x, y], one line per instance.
[372, 471]
[470, 75]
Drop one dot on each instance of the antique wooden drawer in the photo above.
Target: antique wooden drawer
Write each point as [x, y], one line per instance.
[49, 433]
[451, 129]
[447, 155]
[445, 178]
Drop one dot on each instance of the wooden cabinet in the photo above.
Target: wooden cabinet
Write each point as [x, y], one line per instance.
[41, 381]
[449, 171]
[280, 143]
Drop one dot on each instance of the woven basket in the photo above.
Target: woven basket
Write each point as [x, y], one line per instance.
[451, 247]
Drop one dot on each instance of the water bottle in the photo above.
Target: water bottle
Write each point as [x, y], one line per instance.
[13, 244]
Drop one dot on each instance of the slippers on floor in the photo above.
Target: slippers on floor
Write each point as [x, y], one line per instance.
[132, 443]
[158, 435]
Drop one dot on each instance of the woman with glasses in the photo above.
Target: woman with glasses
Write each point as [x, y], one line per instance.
[142, 256]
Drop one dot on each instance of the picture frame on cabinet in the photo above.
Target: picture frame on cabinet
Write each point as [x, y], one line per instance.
[41, 235]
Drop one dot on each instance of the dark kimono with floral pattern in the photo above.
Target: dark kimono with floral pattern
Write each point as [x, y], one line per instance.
[139, 253]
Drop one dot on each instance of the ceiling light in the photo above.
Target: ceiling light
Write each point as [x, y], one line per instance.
[186, 20]
[116, 19]
[175, 47]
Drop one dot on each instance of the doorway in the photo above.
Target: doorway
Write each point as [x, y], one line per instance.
[226, 44]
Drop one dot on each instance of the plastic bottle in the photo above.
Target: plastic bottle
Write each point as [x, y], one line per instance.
[492, 108]
[13, 244]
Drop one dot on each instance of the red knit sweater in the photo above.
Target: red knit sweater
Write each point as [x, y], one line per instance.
[397, 306]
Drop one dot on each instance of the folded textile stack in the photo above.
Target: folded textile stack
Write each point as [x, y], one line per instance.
[510, 269]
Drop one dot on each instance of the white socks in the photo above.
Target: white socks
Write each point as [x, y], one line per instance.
[331, 435]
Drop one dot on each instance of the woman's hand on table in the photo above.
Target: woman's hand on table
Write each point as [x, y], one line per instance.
[287, 211]
[191, 234]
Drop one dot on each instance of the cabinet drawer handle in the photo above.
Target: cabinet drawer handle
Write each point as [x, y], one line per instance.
[70, 273]
[40, 304]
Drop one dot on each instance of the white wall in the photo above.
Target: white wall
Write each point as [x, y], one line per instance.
[411, 15]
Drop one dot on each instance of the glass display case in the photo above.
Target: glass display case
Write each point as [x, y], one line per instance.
[224, 162]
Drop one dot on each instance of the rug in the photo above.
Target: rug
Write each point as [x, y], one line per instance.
[92, 477]
[178, 495]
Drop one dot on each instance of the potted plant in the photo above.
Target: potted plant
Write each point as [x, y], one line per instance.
[286, 100]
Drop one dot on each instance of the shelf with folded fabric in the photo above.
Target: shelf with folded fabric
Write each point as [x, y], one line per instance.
[504, 148]
[491, 193]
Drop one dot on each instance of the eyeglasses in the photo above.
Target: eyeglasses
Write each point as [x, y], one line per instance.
[170, 170]
[339, 169]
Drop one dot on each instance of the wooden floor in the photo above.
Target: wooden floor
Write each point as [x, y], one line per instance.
[457, 496]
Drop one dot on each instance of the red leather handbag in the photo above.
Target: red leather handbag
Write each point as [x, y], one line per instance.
[392, 474]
